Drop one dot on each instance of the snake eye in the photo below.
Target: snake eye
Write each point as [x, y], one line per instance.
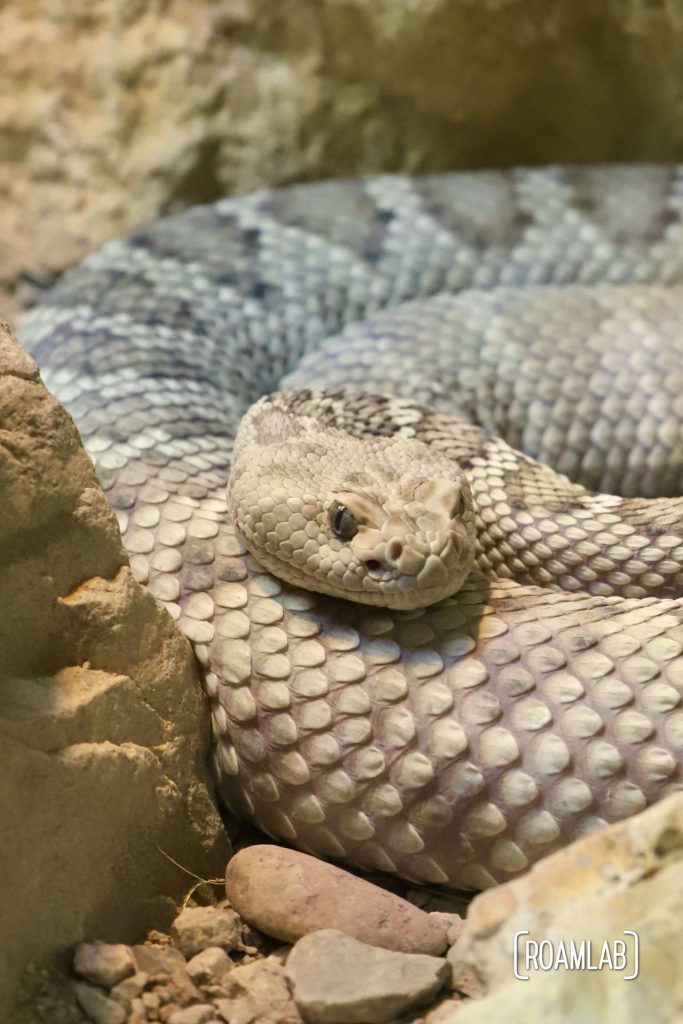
[342, 522]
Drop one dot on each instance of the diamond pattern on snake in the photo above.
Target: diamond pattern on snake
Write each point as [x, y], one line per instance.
[442, 355]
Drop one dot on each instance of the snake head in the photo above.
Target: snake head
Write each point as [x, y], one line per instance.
[378, 520]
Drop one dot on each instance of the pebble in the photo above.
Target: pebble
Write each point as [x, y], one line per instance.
[453, 923]
[337, 980]
[150, 1001]
[97, 1006]
[288, 894]
[137, 1011]
[169, 978]
[200, 1013]
[103, 963]
[258, 993]
[129, 988]
[198, 928]
[153, 959]
[212, 962]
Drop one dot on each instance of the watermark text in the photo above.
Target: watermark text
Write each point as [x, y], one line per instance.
[535, 955]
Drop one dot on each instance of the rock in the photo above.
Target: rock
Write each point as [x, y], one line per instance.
[157, 959]
[150, 1001]
[258, 992]
[627, 876]
[452, 923]
[129, 988]
[97, 1006]
[288, 894]
[197, 1014]
[169, 981]
[138, 1014]
[339, 980]
[197, 928]
[142, 109]
[104, 725]
[212, 962]
[102, 963]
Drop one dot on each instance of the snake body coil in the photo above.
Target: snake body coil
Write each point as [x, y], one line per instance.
[459, 742]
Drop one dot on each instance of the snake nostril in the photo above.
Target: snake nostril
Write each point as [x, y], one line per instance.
[373, 565]
[394, 550]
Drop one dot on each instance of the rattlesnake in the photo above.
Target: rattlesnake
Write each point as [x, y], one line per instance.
[459, 742]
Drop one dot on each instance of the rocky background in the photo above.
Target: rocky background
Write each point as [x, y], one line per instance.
[113, 112]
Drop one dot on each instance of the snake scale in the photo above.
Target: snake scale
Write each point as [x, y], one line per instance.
[459, 742]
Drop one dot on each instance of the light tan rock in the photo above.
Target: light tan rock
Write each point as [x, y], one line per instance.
[338, 980]
[103, 772]
[142, 109]
[288, 894]
[104, 963]
[210, 964]
[129, 989]
[197, 1014]
[626, 877]
[157, 960]
[97, 1006]
[258, 992]
[197, 928]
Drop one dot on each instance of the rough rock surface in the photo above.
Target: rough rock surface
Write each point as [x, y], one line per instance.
[258, 992]
[288, 894]
[629, 876]
[197, 928]
[97, 1006]
[338, 980]
[104, 963]
[248, 985]
[104, 727]
[146, 107]
[211, 962]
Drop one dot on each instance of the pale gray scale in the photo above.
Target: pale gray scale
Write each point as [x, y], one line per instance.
[500, 364]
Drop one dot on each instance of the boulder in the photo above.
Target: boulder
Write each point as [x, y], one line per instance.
[626, 878]
[106, 802]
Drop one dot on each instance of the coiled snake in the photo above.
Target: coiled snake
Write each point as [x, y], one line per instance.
[459, 741]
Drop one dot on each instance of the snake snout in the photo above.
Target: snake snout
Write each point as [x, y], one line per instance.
[394, 557]
[394, 550]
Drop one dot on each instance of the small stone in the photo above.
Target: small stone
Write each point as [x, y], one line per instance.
[103, 963]
[198, 928]
[155, 959]
[169, 978]
[200, 1013]
[138, 1014]
[129, 988]
[97, 1005]
[288, 894]
[453, 923]
[258, 992]
[212, 963]
[338, 980]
